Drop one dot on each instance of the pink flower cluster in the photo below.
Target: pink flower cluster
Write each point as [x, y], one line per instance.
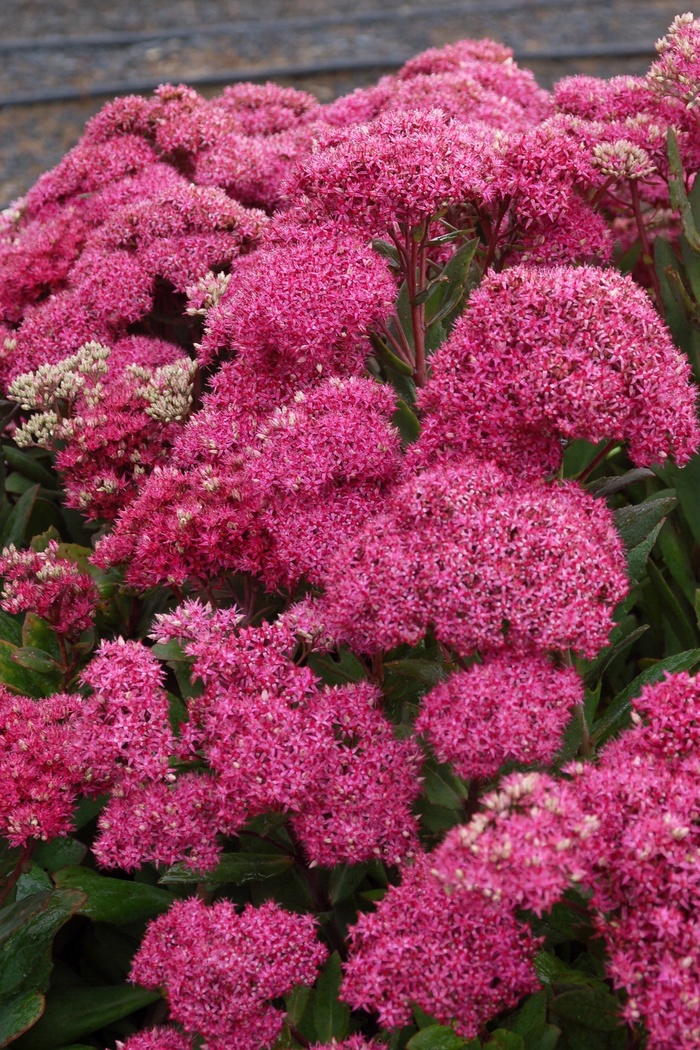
[276, 502]
[485, 560]
[510, 708]
[275, 740]
[461, 959]
[626, 829]
[546, 355]
[52, 587]
[41, 775]
[111, 414]
[220, 969]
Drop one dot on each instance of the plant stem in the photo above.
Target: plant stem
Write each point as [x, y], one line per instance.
[595, 461]
[416, 284]
[22, 866]
[647, 253]
[471, 802]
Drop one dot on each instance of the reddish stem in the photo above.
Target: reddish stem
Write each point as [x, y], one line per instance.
[400, 348]
[647, 253]
[596, 460]
[494, 235]
[416, 284]
[22, 866]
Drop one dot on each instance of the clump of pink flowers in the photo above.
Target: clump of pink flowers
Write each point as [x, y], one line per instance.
[350, 409]
[52, 587]
[249, 959]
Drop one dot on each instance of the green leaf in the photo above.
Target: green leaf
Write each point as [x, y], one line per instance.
[406, 422]
[36, 660]
[679, 621]
[38, 634]
[88, 809]
[532, 1015]
[171, 651]
[60, 853]
[666, 265]
[629, 259]
[502, 1039]
[238, 868]
[28, 465]
[331, 1017]
[676, 189]
[72, 1013]
[114, 901]
[44, 515]
[620, 641]
[422, 1019]
[675, 557]
[16, 484]
[18, 1013]
[686, 482]
[177, 711]
[338, 670]
[33, 881]
[404, 315]
[617, 715]
[609, 486]
[107, 954]
[296, 1003]
[635, 523]
[638, 557]
[386, 249]
[9, 858]
[428, 672]
[452, 286]
[20, 679]
[16, 526]
[552, 971]
[691, 262]
[344, 880]
[10, 628]
[387, 356]
[27, 929]
[435, 819]
[548, 1039]
[579, 454]
[439, 1037]
[590, 1007]
[442, 787]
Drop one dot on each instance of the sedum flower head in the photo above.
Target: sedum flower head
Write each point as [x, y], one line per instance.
[402, 168]
[50, 586]
[677, 70]
[307, 302]
[461, 960]
[510, 708]
[485, 559]
[550, 354]
[249, 958]
[42, 769]
[127, 735]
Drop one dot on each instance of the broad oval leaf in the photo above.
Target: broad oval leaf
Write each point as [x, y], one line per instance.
[439, 1037]
[72, 1013]
[115, 901]
[331, 1016]
[238, 868]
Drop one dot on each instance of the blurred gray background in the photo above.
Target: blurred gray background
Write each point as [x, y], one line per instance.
[60, 60]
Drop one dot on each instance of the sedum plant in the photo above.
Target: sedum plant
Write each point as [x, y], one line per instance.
[350, 557]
